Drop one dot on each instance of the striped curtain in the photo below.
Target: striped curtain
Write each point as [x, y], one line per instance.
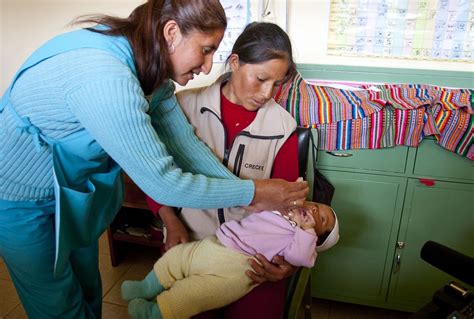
[379, 116]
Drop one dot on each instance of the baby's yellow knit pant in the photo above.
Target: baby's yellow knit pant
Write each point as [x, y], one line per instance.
[200, 276]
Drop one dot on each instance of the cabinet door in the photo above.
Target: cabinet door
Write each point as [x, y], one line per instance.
[442, 213]
[357, 268]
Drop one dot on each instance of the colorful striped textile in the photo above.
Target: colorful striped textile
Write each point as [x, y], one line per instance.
[456, 131]
[313, 104]
[379, 116]
[374, 131]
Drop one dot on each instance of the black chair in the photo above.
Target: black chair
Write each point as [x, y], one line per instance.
[298, 294]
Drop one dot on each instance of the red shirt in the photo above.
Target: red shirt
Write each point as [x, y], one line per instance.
[236, 118]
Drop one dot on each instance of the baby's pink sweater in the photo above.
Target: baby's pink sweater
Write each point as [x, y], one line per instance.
[270, 234]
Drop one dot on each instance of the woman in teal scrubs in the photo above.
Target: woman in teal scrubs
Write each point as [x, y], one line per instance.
[84, 106]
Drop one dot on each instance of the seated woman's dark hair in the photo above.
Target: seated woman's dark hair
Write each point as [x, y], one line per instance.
[264, 41]
[322, 238]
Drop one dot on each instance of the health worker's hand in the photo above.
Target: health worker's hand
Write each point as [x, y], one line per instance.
[278, 194]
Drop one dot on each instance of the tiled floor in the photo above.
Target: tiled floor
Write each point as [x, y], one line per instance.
[137, 263]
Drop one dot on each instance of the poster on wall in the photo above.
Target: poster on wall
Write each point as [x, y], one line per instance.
[410, 29]
[238, 16]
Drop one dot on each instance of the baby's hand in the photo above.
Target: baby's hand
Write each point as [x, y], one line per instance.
[308, 221]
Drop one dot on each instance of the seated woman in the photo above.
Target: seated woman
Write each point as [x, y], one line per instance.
[255, 138]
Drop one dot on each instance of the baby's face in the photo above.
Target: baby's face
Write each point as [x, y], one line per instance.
[313, 215]
[302, 217]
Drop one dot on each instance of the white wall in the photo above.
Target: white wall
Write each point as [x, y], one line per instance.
[25, 24]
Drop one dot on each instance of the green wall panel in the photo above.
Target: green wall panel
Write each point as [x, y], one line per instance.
[387, 75]
[436, 162]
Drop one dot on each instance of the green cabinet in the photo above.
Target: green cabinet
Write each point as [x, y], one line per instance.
[443, 213]
[389, 203]
[366, 206]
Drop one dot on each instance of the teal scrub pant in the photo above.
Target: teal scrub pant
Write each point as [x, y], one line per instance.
[27, 246]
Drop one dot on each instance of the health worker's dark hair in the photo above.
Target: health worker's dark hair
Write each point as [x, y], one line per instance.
[144, 30]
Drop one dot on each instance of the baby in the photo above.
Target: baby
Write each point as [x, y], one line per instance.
[195, 277]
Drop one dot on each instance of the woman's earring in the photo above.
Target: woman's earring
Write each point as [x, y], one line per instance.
[171, 48]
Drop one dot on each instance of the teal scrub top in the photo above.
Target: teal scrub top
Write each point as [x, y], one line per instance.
[87, 182]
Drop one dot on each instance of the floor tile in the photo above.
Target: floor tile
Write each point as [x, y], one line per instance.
[139, 262]
[8, 297]
[111, 311]
[393, 314]
[110, 275]
[3, 271]
[17, 313]
[104, 244]
[320, 308]
[341, 310]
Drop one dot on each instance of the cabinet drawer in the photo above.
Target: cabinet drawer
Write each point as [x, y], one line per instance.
[434, 161]
[384, 160]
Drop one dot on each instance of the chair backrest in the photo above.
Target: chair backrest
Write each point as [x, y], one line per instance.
[298, 283]
[303, 147]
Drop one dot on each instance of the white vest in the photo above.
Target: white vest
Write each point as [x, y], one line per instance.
[250, 156]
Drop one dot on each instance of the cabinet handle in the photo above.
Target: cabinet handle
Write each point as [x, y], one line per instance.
[340, 154]
[398, 257]
[396, 267]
